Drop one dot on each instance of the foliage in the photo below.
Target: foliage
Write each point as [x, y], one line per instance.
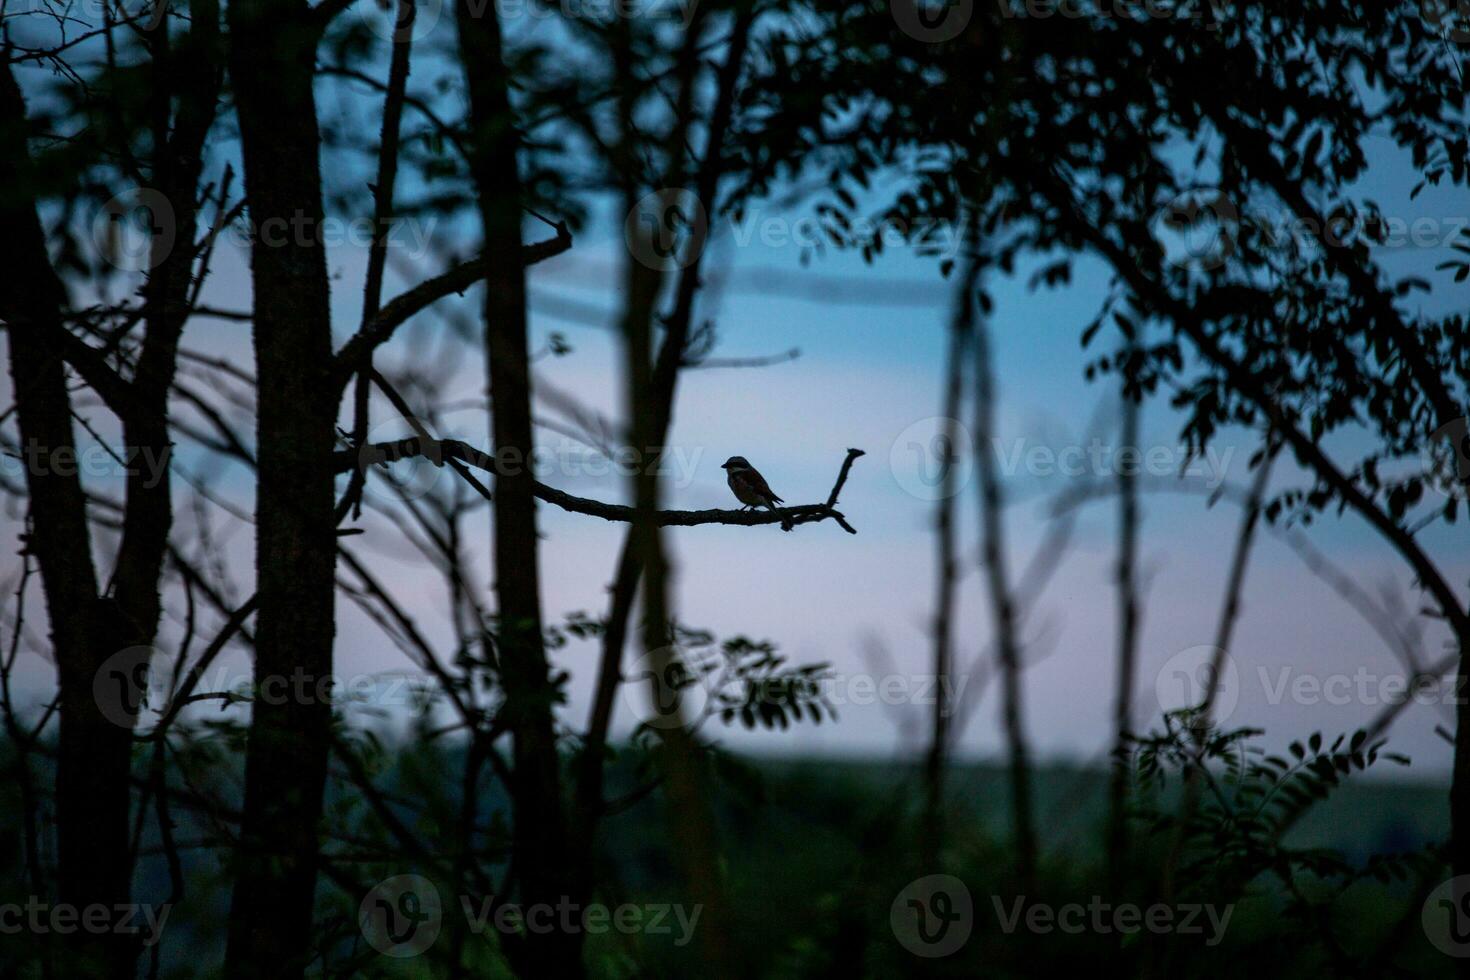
[1231, 823]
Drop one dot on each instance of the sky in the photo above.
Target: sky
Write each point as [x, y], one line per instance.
[872, 342]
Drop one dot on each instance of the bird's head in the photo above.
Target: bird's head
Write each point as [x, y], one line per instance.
[735, 463]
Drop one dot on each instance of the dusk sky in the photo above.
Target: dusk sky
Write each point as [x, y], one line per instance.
[871, 347]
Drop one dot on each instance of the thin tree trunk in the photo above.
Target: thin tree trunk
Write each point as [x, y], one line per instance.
[94, 752]
[931, 841]
[540, 848]
[1160, 955]
[272, 57]
[664, 382]
[99, 759]
[650, 405]
[383, 190]
[1002, 609]
[691, 822]
[193, 72]
[1127, 574]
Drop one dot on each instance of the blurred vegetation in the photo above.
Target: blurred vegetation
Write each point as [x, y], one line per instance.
[816, 850]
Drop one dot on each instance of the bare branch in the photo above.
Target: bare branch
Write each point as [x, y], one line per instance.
[453, 449]
[711, 363]
[398, 310]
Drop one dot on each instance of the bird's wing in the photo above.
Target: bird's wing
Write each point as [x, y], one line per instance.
[758, 483]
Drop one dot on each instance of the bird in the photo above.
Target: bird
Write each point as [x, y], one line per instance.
[749, 487]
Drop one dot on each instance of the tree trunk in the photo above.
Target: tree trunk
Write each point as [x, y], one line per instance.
[541, 854]
[1128, 614]
[692, 827]
[660, 406]
[931, 838]
[193, 73]
[1003, 611]
[94, 752]
[272, 54]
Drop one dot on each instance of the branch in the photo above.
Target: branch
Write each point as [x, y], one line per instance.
[397, 311]
[710, 363]
[423, 108]
[852, 455]
[185, 694]
[787, 517]
[116, 392]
